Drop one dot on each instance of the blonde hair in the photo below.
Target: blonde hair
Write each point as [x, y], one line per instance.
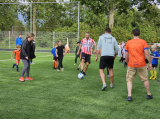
[18, 46]
[30, 35]
[154, 46]
[55, 44]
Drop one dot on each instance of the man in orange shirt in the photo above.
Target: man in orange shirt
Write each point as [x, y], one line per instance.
[17, 56]
[135, 52]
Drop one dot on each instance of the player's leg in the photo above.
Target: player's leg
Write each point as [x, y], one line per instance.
[56, 62]
[53, 63]
[151, 71]
[102, 65]
[61, 63]
[110, 63]
[83, 60]
[87, 60]
[25, 62]
[155, 73]
[27, 72]
[76, 59]
[107, 71]
[143, 75]
[131, 73]
[85, 68]
[17, 63]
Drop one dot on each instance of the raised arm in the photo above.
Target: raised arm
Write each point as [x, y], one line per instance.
[148, 58]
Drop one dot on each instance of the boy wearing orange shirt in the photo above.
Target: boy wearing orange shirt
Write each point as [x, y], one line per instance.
[17, 56]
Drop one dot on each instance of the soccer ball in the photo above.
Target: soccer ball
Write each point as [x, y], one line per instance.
[80, 76]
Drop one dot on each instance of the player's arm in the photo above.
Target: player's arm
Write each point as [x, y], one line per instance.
[126, 56]
[116, 48]
[99, 47]
[79, 49]
[56, 53]
[23, 50]
[148, 58]
[95, 48]
[12, 55]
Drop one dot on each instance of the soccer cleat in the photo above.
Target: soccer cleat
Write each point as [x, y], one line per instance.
[111, 86]
[21, 79]
[77, 68]
[129, 98]
[84, 74]
[104, 87]
[29, 78]
[13, 66]
[81, 71]
[54, 68]
[57, 70]
[151, 77]
[75, 64]
[154, 78]
[149, 97]
[62, 69]
[32, 63]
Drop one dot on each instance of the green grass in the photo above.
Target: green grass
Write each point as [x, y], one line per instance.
[62, 95]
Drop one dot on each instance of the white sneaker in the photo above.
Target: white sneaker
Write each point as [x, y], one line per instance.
[62, 69]
[57, 70]
[33, 63]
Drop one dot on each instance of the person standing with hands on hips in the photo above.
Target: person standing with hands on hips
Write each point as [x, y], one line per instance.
[25, 55]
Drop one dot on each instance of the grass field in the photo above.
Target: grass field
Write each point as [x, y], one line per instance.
[62, 95]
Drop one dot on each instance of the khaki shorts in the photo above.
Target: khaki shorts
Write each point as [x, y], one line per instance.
[142, 73]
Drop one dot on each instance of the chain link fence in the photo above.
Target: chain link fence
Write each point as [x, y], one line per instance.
[44, 40]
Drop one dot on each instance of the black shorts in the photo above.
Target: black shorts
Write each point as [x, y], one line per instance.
[146, 61]
[106, 61]
[86, 57]
[55, 58]
[154, 65]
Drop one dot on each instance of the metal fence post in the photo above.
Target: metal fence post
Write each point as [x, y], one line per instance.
[9, 39]
[53, 38]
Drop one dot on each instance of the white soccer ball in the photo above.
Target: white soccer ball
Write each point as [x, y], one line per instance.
[80, 76]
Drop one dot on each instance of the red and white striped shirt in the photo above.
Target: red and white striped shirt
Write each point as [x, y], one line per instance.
[87, 45]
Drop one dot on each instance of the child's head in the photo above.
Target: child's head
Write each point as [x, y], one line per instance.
[59, 42]
[18, 47]
[55, 45]
[124, 46]
[78, 43]
[119, 43]
[153, 47]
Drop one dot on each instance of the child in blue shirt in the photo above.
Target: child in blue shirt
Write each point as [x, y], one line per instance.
[55, 58]
[154, 62]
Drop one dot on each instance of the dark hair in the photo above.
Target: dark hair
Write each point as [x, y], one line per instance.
[136, 32]
[100, 34]
[108, 30]
[87, 33]
[59, 41]
[78, 42]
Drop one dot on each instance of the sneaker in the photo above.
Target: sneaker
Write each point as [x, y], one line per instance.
[54, 68]
[21, 79]
[149, 97]
[77, 68]
[29, 78]
[107, 76]
[84, 74]
[75, 64]
[111, 86]
[32, 63]
[17, 70]
[57, 70]
[151, 77]
[13, 66]
[81, 71]
[154, 78]
[104, 87]
[62, 69]
[129, 98]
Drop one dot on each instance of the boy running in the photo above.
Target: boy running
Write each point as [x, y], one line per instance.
[55, 59]
[17, 57]
[154, 63]
[60, 55]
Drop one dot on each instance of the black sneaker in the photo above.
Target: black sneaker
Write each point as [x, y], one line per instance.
[149, 97]
[77, 68]
[17, 70]
[13, 66]
[129, 98]
[84, 74]
[81, 71]
[54, 68]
